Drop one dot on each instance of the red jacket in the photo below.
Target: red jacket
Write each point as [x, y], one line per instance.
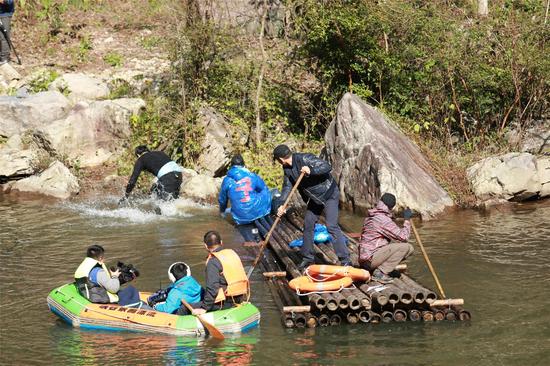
[379, 230]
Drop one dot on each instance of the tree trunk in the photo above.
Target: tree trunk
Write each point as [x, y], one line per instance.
[260, 78]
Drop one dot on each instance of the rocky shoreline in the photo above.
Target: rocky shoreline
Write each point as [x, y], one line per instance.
[75, 124]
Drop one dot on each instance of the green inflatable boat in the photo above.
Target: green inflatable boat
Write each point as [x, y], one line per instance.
[67, 303]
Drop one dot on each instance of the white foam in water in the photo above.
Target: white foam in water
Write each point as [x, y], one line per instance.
[139, 211]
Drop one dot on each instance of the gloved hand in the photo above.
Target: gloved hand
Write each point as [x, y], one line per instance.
[407, 214]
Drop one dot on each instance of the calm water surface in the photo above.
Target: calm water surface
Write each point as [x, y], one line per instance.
[499, 262]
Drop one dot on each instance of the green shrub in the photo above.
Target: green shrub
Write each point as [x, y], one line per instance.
[42, 80]
[114, 59]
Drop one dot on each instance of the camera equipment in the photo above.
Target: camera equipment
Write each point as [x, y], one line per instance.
[127, 272]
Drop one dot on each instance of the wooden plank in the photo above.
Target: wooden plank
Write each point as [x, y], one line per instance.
[297, 309]
[274, 274]
[447, 302]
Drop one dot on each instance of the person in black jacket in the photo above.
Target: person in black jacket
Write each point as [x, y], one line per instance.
[168, 173]
[320, 191]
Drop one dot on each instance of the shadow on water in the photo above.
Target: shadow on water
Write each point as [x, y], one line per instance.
[497, 262]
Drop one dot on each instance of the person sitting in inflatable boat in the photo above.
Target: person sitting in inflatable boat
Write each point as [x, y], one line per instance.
[100, 285]
[184, 286]
[226, 281]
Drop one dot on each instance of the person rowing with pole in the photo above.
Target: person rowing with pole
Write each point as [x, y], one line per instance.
[321, 193]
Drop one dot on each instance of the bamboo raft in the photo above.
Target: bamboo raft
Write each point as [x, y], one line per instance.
[368, 302]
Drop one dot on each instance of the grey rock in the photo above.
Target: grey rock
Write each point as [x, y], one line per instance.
[201, 188]
[534, 140]
[56, 181]
[216, 145]
[80, 87]
[93, 133]
[543, 169]
[37, 110]
[514, 176]
[371, 156]
[15, 163]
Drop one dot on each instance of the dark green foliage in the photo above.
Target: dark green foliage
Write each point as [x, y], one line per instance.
[437, 65]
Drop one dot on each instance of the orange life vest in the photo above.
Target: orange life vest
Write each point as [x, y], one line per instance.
[233, 271]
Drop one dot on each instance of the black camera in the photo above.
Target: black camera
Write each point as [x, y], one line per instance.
[127, 272]
[159, 296]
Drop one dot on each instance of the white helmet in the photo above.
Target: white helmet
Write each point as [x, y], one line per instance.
[171, 275]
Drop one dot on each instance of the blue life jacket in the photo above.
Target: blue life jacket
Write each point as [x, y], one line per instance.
[250, 198]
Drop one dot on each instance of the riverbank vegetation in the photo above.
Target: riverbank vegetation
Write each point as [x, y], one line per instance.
[453, 80]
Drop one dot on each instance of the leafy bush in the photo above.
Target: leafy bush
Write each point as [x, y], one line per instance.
[42, 80]
[114, 59]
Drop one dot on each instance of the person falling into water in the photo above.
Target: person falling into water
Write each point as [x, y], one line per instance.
[376, 252]
[167, 171]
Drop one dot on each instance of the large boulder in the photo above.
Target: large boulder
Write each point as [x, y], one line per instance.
[371, 156]
[15, 163]
[19, 114]
[543, 168]
[201, 188]
[514, 177]
[216, 145]
[56, 181]
[21, 156]
[80, 87]
[93, 133]
[535, 139]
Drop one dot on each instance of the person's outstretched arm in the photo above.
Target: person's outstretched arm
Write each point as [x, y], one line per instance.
[138, 167]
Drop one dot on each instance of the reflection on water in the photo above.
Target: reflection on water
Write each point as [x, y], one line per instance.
[497, 261]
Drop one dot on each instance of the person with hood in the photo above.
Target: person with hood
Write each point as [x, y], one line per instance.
[320, 192]
[184, 286]
[167, 171]
[249, 196]
[376, 250]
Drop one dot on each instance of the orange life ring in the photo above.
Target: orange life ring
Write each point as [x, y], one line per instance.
[307, 284]
[356, 274]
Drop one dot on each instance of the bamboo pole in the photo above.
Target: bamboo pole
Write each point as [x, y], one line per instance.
[268, 236]
[428, 262]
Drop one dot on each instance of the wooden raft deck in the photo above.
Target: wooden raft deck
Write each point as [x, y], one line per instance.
[403, 300]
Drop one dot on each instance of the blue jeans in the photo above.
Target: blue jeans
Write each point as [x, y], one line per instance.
[311, 217]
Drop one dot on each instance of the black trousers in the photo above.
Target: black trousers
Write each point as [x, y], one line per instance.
[168, 186]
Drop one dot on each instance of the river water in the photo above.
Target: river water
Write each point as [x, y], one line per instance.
[498, 262]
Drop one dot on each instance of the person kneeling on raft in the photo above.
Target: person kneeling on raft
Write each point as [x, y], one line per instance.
[184, 286]
[99, 285]
[226, 281]
[376, 251]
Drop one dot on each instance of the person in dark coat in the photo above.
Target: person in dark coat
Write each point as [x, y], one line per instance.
[7, 8]
[320, 192]
[167, 171]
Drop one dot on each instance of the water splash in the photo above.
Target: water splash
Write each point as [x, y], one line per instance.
[137, 211]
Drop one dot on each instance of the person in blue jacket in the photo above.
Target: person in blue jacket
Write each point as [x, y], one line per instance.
[184, 287]
[7, 8]
[249, 196]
